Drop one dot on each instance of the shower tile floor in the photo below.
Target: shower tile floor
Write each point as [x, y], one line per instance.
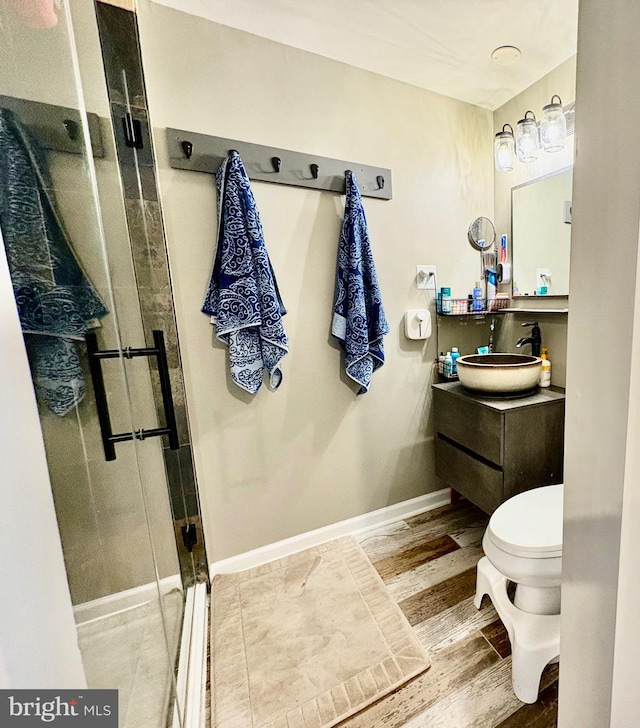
[128, 650]
[428, 563]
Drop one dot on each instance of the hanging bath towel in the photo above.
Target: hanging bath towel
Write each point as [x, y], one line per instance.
[56, 301]
[358, 316]
[243, 298]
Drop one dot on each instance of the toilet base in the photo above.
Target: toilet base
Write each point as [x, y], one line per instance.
[535, 638]
[537, 599]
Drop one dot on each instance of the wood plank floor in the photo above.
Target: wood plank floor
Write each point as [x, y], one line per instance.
[428, 565]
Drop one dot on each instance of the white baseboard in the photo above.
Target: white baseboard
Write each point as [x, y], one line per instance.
[127, 599]
[350, 527]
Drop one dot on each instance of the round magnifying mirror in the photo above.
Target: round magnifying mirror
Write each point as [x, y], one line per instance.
[482, 234]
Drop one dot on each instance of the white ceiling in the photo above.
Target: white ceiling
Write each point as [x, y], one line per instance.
[441, 45]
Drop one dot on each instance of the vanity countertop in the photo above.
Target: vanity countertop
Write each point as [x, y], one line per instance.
[502, 404]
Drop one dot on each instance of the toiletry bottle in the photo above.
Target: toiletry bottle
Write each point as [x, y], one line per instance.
[441, 363]
[445, 300]
[478, 303]
[454, 358]
[545, 372]
[470, 303]
[492, 282]
[448, 365]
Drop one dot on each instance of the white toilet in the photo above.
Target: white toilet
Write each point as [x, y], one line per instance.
[523, 544]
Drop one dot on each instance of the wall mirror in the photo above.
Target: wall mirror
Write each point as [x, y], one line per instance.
[541, 235]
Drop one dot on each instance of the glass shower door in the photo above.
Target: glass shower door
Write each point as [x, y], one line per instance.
[65, 232]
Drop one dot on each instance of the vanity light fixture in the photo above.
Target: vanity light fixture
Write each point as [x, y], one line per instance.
[503, 149]
[527, 142]
[553, 126]
[556, 124]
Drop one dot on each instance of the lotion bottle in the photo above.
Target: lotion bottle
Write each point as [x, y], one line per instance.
[545, 372]
[454, 358]
[478, 303]
[448, 365]
[445, 300]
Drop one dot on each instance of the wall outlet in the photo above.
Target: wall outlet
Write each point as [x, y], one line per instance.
[426, 277]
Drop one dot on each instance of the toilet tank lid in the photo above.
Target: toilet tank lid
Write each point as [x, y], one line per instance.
[530, 522]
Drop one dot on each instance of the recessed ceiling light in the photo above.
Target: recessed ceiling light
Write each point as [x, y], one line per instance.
[506, 55]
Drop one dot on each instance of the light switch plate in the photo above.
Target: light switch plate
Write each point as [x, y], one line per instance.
[426, 277]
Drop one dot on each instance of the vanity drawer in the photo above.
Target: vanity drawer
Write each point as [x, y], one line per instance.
[472, 478]
[470, 424]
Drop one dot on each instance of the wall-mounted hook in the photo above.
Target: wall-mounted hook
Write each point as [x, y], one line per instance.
[187, 148]
[380, 181]
[71, 128]
[272, 164]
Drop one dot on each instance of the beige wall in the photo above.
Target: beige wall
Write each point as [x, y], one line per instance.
[600, 597]
[562, 81]
[102, 507]
[311, 453]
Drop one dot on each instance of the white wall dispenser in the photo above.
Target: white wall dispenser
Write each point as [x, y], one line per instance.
[417, 323]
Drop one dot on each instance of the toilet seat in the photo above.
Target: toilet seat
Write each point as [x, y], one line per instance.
[529, 525]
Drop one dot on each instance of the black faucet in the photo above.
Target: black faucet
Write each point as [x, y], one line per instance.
[535, 339]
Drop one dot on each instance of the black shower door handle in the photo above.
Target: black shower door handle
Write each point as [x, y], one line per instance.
[109, 439]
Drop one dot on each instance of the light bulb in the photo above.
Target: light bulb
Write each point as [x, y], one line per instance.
[553, 126]
[503, 149]
[527, 143]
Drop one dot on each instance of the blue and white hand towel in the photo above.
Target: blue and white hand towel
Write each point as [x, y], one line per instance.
[358, 316]
[243, 298]
[56, 301]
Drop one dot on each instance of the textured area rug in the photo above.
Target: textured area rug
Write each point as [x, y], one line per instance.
[306, 641]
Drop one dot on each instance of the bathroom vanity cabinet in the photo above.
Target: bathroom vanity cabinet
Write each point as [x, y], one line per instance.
[491, 449]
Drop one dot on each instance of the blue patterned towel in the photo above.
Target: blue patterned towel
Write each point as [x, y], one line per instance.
[56, 301]
[243, 298]
[358, 316]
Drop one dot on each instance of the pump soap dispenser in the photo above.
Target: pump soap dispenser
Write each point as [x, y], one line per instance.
[545, 372]
[417, 323]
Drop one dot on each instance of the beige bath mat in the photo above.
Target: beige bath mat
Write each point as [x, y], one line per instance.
[306, 641]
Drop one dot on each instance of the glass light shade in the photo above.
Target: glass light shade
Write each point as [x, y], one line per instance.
[553, 126]
[503, 149]
[527, 143]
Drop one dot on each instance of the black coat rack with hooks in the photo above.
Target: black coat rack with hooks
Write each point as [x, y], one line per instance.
[204, 153]
[58, 128]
